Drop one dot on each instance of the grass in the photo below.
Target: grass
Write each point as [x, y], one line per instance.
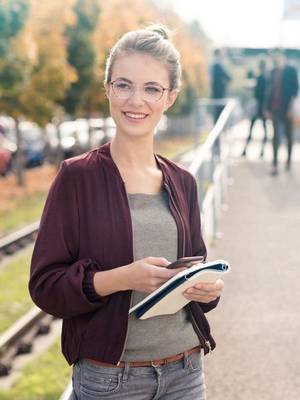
[24, 211]
[14, 296]
[21, 205]
[44, 378]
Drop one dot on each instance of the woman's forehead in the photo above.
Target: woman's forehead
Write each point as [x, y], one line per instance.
[140, 68]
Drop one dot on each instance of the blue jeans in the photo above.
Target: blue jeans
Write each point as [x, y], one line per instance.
[180, 380]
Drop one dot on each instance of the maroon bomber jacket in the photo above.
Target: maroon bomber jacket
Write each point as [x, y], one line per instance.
[86, 227]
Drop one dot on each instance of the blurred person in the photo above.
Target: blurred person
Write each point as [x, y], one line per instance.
[282, 90]
[260, 104]
[2, 130]
[113, 219]
[219, 79]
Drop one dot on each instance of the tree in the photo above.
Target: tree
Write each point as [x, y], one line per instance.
[81, 97]
[14, 67]
[51, 74]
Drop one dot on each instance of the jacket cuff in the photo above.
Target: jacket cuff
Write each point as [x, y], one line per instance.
[206, 307]
[88, 287]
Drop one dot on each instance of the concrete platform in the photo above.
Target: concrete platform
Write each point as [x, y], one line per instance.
[257, 323]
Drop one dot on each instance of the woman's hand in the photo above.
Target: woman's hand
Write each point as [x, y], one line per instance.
[204, 292]
[148, 274]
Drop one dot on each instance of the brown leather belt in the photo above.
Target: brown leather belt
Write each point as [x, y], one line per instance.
[152, 363]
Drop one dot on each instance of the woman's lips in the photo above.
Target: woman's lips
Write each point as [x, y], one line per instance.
[134, 117]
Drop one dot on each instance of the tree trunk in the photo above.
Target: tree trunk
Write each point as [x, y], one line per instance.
[59, 153]
[19, 161]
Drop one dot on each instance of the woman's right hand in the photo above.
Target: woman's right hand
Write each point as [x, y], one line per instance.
[148, 274]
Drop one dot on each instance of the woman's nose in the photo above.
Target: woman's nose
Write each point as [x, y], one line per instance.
[137, 97]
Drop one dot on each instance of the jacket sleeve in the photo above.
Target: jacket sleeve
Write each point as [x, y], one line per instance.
[60, 283]
[198, 245]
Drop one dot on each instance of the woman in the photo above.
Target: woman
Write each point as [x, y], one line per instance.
[113, 220]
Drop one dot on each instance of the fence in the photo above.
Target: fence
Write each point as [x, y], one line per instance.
[210, 166]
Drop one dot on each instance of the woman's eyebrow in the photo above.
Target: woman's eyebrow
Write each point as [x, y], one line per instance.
[123, 79]
[153, 83]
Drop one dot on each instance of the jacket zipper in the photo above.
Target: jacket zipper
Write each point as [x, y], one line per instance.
[204, 342]
[126, 337]
[124, 344]
[180, 217]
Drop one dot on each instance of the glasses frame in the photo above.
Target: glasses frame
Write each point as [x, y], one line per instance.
[134, 86]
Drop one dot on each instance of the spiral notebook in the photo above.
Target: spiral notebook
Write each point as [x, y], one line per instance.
[168, 298]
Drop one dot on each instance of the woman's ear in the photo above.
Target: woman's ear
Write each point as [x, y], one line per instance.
[172, 96]
[107, 89]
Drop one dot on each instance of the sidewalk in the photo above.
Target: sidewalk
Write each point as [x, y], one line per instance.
[257, 323]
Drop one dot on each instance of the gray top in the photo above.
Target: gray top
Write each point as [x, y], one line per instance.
[155, 234]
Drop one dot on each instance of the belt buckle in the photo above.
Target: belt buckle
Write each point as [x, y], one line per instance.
[155, 365]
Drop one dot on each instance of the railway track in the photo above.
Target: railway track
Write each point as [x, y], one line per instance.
[14, 241]
[18, 339]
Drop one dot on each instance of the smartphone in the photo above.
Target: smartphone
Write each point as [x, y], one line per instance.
[186, 262]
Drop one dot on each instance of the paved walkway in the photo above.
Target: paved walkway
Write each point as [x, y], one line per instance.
[257, 323]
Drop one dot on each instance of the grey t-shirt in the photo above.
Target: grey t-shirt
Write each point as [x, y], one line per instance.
[155, 234]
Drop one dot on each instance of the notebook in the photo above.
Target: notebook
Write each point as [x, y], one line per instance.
[168, 298]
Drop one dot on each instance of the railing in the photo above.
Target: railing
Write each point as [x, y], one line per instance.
[210, 166]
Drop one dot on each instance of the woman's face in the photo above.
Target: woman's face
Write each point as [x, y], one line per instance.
[135, 115]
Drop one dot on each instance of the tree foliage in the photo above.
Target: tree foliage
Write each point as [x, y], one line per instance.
[80, 97]
[14, 66]
[51, 74]
[53, 54]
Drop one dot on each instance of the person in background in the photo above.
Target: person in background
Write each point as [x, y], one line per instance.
[260, 104]
[282, 90]
[113, 219]
[219, 79]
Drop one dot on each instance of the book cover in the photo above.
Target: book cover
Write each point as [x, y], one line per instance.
[168, 298]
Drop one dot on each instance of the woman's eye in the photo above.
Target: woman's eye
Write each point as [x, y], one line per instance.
[152, 89]
[122, 85]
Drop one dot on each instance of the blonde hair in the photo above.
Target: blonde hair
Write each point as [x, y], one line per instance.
[154, 41]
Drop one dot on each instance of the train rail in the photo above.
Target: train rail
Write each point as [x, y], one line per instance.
[14, 241]
[19, 337]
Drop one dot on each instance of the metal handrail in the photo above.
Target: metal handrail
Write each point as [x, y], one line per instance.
[213, 136]
[211, 169]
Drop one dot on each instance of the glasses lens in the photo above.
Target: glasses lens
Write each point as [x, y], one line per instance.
[152, 93]
[122, 89]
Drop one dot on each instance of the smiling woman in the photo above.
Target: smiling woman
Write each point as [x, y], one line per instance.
[114, 219]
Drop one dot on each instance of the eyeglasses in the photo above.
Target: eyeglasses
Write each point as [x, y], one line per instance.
[150, 92]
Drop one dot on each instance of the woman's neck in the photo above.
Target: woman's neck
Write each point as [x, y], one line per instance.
[133, 152]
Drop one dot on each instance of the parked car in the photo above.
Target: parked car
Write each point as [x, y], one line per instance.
[7, 151]
[76, 137]
[33, 143]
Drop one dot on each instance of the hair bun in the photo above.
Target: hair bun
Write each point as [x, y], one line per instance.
[161, 30]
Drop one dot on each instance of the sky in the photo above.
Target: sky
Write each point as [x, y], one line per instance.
[241, 23]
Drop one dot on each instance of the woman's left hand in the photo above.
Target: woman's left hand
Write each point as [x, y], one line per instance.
[205, 292]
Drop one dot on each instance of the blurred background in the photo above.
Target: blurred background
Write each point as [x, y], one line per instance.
[52, 107]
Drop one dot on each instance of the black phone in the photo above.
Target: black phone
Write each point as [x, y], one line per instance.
[186, 262]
